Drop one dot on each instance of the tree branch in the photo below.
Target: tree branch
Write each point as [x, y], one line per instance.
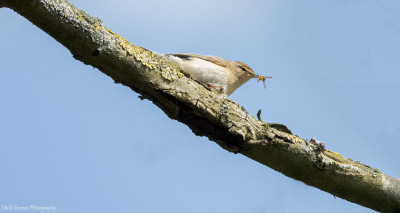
[205, 112]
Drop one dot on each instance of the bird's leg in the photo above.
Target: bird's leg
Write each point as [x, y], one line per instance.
[208, 85]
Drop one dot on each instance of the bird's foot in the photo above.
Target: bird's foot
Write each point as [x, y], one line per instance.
[210, 86]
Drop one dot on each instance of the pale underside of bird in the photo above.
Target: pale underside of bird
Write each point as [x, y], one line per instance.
[214, 71]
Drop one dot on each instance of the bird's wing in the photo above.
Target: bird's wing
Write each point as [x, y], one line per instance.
[213, 59]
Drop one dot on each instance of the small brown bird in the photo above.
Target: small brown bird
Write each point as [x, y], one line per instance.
[215, 71]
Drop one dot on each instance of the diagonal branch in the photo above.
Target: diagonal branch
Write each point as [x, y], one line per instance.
[205, 112]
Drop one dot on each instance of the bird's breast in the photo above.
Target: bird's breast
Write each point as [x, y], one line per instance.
[202, 70]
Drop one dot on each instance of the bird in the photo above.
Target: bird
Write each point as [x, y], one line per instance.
[215, 72]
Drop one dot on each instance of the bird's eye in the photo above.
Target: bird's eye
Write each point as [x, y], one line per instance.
[244, 69]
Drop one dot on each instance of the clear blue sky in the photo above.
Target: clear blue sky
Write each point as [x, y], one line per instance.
[71, 137]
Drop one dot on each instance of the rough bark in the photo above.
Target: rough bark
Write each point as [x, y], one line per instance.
[206, 112]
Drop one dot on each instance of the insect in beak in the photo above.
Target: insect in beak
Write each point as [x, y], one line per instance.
[262, 78]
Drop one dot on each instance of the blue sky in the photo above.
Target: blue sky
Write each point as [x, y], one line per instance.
[71, 138]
